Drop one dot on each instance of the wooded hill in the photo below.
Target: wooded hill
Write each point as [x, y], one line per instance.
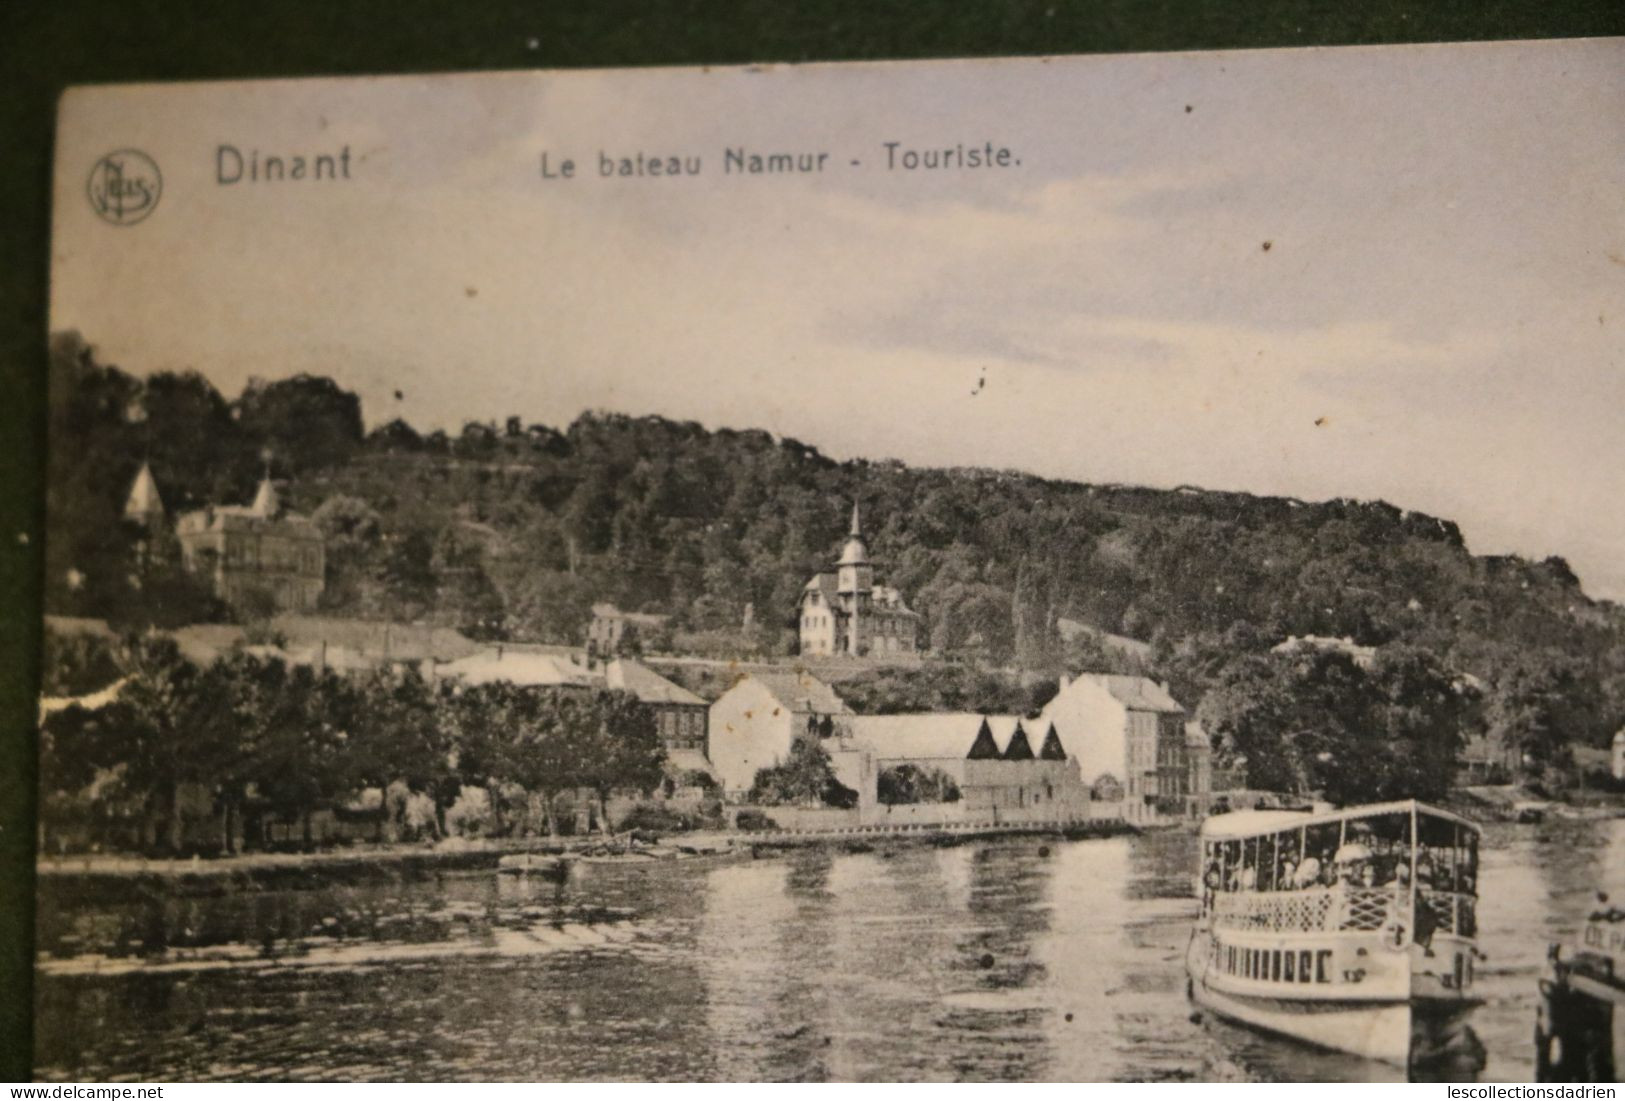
[513, 530]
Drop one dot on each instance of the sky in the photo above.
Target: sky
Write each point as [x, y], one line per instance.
[1376, 272]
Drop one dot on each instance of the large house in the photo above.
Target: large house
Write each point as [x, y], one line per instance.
[1132, 743]
[244, 551]
[844, 612]
[753, 725]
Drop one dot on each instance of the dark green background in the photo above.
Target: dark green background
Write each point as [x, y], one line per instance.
[47, 47]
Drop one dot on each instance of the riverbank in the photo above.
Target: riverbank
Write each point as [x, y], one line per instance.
[91, 876]
[1507, 803]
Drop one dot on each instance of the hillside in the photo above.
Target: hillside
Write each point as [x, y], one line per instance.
[513, 530]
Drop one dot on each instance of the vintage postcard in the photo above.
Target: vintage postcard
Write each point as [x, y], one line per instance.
[1069, 569]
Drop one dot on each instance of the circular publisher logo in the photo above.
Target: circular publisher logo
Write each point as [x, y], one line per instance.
[124, 187]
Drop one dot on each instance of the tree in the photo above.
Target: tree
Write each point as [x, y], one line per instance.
[1314, 722]
[908, 783]
[806, 778]
[544, 746]
[163, 732]
[620, 747]
[399, 739]
[308, 422]
[1543, 705]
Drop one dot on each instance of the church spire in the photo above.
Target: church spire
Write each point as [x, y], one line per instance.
[857, 529]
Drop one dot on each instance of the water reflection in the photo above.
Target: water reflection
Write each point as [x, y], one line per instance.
[1013, 960]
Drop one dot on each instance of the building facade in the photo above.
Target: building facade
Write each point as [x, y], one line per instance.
[753, 725]
[242, 551]
[613, 631]
[1003, 765]
[258, 549]
[1130, 739]
[680, 716]
[844, 612]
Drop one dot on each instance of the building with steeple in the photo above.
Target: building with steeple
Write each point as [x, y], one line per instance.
[843, 610]
[254, 549]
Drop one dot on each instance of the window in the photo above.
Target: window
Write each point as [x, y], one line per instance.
[1323, 965]
[1275, 966]
[1305, 966]
[1289, 969]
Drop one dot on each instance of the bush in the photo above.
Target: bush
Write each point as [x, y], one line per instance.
[805, 779]
[656, 818]
[470, 815]
[754, 820]
[913, 784]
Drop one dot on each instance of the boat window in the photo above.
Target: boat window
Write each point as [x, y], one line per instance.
[1373, 849]
[1288, 853]
[1248, 879]
[1289, 967]
[1435, 853]
[1267, 847]
[1275, 966]
[1304, 965]
[1323, 965]
[1467, 860]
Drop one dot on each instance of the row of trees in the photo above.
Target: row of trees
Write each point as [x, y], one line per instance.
[1320, 722]
[515, 529]
[265, 738]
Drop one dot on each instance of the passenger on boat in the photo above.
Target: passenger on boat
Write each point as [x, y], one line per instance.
[1307, 873]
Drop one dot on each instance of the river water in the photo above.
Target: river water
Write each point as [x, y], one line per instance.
[1014, 959]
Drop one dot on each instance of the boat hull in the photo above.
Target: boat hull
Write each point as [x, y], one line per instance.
[1372, 1030]
[1404, 1031]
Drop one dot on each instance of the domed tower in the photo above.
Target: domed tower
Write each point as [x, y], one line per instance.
[855, 584]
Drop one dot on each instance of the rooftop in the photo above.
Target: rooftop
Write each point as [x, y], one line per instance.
[647, 685]
[938, 735]
[1135, 693]
[800, 691]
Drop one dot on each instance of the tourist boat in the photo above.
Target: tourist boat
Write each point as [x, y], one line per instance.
[1349, 929]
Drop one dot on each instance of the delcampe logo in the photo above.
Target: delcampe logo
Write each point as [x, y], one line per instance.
[124, 187]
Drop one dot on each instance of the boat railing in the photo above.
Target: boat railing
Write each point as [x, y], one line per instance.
[1340, 909]
[1453, 911]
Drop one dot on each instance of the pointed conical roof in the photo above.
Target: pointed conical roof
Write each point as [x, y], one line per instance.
[265, 499]
[855, 552]
[1019, 748]
[144, 501]
[1052, 749]
[984, 748]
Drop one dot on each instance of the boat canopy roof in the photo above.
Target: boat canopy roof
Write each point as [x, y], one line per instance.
[1261, 823]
